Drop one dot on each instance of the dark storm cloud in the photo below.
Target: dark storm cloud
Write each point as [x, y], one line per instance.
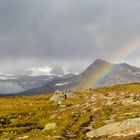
[63, 31]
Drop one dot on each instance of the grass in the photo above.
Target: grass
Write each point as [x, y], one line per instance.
[28, 116]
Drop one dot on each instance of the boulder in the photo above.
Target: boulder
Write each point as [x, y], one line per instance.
[59, 96]
[116, 128]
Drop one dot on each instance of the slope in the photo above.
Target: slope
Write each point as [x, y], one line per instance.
[38, 117]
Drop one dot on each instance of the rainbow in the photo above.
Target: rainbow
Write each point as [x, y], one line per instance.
[125, 51]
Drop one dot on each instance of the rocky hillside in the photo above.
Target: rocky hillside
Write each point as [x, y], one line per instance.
[111, 113]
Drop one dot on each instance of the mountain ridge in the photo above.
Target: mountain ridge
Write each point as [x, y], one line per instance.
[121, 73]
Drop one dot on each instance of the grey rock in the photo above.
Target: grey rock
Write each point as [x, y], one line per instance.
[59, 96]
[117, 127]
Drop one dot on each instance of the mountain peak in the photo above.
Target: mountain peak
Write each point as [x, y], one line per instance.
[95, 66]
[100, 62]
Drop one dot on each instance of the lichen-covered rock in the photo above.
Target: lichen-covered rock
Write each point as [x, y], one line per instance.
[22, 138]
[59, 96]
[118, 128]
[50, 126]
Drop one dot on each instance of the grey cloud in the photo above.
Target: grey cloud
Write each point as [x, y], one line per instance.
[52, 31]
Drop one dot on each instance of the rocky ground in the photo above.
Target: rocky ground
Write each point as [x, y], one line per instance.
[111, 113]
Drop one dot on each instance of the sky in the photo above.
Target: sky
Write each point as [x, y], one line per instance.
[70, 33]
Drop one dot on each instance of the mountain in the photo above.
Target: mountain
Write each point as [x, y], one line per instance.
[102, 73]
[10, 85]
[99, 74]
[14, 84]
[20, 80]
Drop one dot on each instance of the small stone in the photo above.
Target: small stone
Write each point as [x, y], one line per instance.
[57, 137]
[22, 138]
[50, 126]
[59, 102]
[62, 105]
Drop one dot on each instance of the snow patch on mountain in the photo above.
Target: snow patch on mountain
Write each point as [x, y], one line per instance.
[3, 77]
[136, 73]
[61, 84]
[129, 71]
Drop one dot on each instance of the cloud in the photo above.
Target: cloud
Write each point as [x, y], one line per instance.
[45, 32]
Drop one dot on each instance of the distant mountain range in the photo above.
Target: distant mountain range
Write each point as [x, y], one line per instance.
[23, 80]
[98, 74]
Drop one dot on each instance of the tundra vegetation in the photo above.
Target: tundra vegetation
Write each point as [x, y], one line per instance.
[37, 117]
